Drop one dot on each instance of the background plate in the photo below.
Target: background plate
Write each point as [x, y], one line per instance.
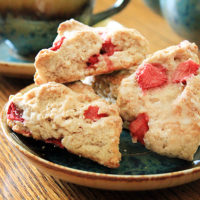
[14, 65]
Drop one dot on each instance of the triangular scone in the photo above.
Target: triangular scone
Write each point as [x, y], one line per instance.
[71, 116]
[161, 101]
[80, 51]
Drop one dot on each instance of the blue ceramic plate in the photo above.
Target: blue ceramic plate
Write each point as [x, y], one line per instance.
[136, 159]
[9, 55]
[11, 64]
[140, 169]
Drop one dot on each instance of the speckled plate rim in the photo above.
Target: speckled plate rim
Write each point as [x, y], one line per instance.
[101, 180]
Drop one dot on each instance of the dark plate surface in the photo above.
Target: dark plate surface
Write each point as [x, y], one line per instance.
[136, 159]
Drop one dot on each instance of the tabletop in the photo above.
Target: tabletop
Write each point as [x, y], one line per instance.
[20, 180]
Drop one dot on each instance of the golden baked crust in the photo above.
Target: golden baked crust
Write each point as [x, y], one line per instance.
[57, 111]
[173, 109]
[71, 61]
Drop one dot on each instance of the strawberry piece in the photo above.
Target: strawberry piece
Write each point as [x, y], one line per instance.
[93, 60]
[107, 48]
[92, 113]
[184, 71]
[56, 142]
[57, 44]
[139, 127]
[14, 113]
[151, 76]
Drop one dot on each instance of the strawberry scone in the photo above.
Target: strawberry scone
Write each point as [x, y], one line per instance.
[161, 101]
[71, 117]
[79, 51]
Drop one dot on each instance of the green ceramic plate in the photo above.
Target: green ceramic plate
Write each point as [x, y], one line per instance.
[136, 159]
[140, 169]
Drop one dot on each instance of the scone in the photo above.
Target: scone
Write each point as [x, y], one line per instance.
[72, 117]
[161, 101]
[107, 85]
[80, 51]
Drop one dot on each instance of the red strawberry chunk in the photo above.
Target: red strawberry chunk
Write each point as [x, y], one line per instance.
[107, 48]
[92, 113]
[14, 113]
[139, 127]
[57, 44]
[151, 76]
[56, 142]
[92, 60]
[184, 71]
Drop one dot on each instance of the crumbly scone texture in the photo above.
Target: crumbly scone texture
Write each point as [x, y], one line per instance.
[107, 85]
[173, 109]
[54, 110]
[89, 51]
